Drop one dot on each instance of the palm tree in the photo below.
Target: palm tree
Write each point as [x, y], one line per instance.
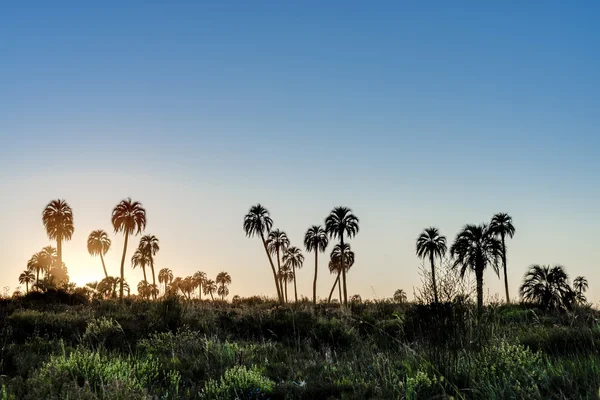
[209, 288]
[199, 278]
[342, 257]
[502, 225]
[36, 264]
[293, 259]
[474, 248]
[580, 284]
[400, 296]
[277, 242]
[175, 285]
[339, 222]
[431, 244]
[187, 286]
[48, 258]
[130, 218]
[143, 289]
[26, 278]
[107, 286]
[258, 222]
[149, 245]
[153, 290]
[285, 276]
[316, 240]
[98, 244]
[58, 221]
[165, 276]
[140, 259]
[223, 280]
[546, 286]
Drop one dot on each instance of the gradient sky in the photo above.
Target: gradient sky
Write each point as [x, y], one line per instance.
[411, 114]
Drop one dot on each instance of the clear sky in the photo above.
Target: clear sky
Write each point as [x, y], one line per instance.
[410, 113]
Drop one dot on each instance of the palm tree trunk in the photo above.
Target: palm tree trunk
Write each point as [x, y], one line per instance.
[103, 265]
[295, 289]
[27, 286]
[165, 289]
[279, 271]
[37, 275]
[153, 277]
[479, 278]
[286, 287]
[344, 269]
[279, 294]
[144, 271]
[211, 296]
[123, 266]
[315, 280]
[504, 265]
[59, 250]
[200, 291]
[340, 290]
[435, 293]
[337, 279]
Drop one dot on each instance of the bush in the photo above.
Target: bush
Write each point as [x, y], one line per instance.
[238, 383]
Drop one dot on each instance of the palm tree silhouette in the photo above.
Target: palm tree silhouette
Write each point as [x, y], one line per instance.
[285, 277]
[140, 259]
[474, 248]
[48, 258]
[547, 286]
[130, 218]
[223, 280]
[165, 276]
[342, 257]
[339, 222]
[292, 260]
[26, 278]
[98, 244]
[149, 245]
[502, 225]
[58, 221]
[143, 289]
[580, 284]
[258, 222]
[400, 296]
[199, 278]
[36, 264]
[431, 244]
[316, 240]
[277, 242]
[209, 288]
[175, 285]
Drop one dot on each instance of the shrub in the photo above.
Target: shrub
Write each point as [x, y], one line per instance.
[238, 383]
[105, 333]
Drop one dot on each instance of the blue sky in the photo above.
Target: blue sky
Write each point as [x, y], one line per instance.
[411, 114]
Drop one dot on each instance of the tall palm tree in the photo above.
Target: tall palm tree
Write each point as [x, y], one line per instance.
[431, 244]
[342, 222]
[547, 286]
[293, 259]
[580, 284]
[98, 244]
[277, 242]
[223, 280]
[26, 278]
[36, 264]
[342, 257]
[128, 217]
[149, 245]
[209, 288]
[474, 248]
[316, 240]
[165, 276]
[199, 278]
[140, 259]
[259, 222]
[58, 220]
[502, 226]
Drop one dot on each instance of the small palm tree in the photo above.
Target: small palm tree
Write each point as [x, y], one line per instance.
[223, 280]
[547, 286]
[140, 259]
[209, 288]
[277, 242]
[580, 284]
[98, 244]
[199, 278]
[502, 226]
[476, 247]
[165, 276]
[431, 244]
[26, 278]
[259, 222]
[175, 286]
[143, 289]
[316, 240]
[48, 257]
[149, 245]
[342, 222]
[58, 221]
[285, 277]
[36, 264]
[342, 257]
[130, 218]
[400, 296]
[292, 260]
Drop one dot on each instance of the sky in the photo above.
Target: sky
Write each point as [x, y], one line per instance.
[413, 114]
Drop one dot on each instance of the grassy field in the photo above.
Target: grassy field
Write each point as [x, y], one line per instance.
[64, 346]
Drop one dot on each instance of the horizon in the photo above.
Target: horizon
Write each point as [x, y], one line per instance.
[419, 117]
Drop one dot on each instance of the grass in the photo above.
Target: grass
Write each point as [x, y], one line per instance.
[256, 349]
